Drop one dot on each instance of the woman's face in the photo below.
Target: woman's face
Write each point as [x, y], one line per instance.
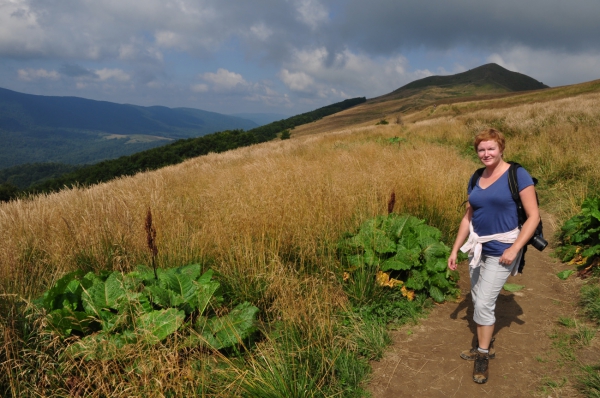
[489, 153]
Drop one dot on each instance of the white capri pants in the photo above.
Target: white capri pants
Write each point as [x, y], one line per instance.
[486, 282]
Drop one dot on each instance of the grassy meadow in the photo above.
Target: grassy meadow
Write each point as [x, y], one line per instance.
[267, 219]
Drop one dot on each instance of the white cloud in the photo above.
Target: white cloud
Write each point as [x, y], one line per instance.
[116, 74]
[169, 39]
[296, 81]
[200, 88]
[35, 74]
[225, 80]
[312, 13]
[345, 74]
[261, 31]
[551, 67]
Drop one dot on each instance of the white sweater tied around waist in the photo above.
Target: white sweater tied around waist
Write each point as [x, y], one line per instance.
[474, 246]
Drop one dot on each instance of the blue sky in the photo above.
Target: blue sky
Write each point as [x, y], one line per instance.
[283, 56]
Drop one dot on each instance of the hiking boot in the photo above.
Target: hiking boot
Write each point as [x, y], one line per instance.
[481, 368]
[471, 354]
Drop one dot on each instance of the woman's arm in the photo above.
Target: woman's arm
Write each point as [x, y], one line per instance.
[461, 236]
[529, 201]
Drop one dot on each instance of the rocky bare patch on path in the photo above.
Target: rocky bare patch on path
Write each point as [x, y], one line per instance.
[424, 359]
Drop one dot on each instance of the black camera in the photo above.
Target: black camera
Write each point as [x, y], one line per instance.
[538, 242]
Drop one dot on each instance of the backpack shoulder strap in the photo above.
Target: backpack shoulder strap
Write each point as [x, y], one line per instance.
[513, 182]
[476, 176]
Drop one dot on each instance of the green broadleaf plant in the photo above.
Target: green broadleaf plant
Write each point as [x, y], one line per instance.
[405, 247]
[111, 310]
[580, 235]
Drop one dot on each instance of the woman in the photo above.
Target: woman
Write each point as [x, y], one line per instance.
[491, 223]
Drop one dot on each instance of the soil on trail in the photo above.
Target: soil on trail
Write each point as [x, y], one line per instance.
[424, 359]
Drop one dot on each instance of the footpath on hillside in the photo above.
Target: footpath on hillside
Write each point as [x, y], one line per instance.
[424, 359]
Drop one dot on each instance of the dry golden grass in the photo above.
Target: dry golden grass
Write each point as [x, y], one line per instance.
[557, 141]
[244, 208]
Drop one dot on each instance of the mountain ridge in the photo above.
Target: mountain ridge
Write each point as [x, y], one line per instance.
[512, 81]
[76, 130]
[486, 81]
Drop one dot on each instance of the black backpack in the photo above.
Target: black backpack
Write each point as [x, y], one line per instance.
[537, 240]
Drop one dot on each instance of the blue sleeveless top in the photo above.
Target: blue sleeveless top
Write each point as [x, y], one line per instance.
[495, 211]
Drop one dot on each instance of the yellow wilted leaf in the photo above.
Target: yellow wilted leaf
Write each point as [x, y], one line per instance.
[382, 278]
[345, 276]
[578, 259]
[409, 294]
[393, 283]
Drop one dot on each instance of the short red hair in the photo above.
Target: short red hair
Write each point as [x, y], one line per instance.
[490, 135]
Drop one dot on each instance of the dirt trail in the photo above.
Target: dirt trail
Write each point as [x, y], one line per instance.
[424, 359]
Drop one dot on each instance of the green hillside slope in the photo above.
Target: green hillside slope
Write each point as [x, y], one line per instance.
[73, 130]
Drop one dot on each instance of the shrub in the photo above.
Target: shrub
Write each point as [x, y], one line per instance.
[580, 235]
[112, 310]
[399, 252]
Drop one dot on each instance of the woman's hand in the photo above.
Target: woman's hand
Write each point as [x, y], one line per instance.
[509, 256]
[463, 232]
[452, 261]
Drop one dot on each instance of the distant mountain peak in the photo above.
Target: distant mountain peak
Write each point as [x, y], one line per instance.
[490, 74]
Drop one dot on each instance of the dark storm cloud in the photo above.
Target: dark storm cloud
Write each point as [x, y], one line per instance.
[381, 26]
[73, 70]
[270, 30]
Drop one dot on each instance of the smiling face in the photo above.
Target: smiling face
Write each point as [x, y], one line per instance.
[489, 153]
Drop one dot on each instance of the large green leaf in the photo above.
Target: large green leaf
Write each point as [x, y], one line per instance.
[512, 287]
[591, 251]
[409, 257]
[435, 250]
[397, 264]
[427, 231]
[180, 283]
[101, 346]
[160, 296]
[565, 274]
[409, 241]
[193, 271]
[206, 290]
[439, 280]
[228, 330]
[157, 325]
[65, 289]
[394, 225]
[416, 281]
[102, 295]
[436, 265]
[145, 274]
[436, 294]
[65, 321]
[384, 245]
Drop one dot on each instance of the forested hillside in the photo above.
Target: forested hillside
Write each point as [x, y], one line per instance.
[14, 182]
[74, 130]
